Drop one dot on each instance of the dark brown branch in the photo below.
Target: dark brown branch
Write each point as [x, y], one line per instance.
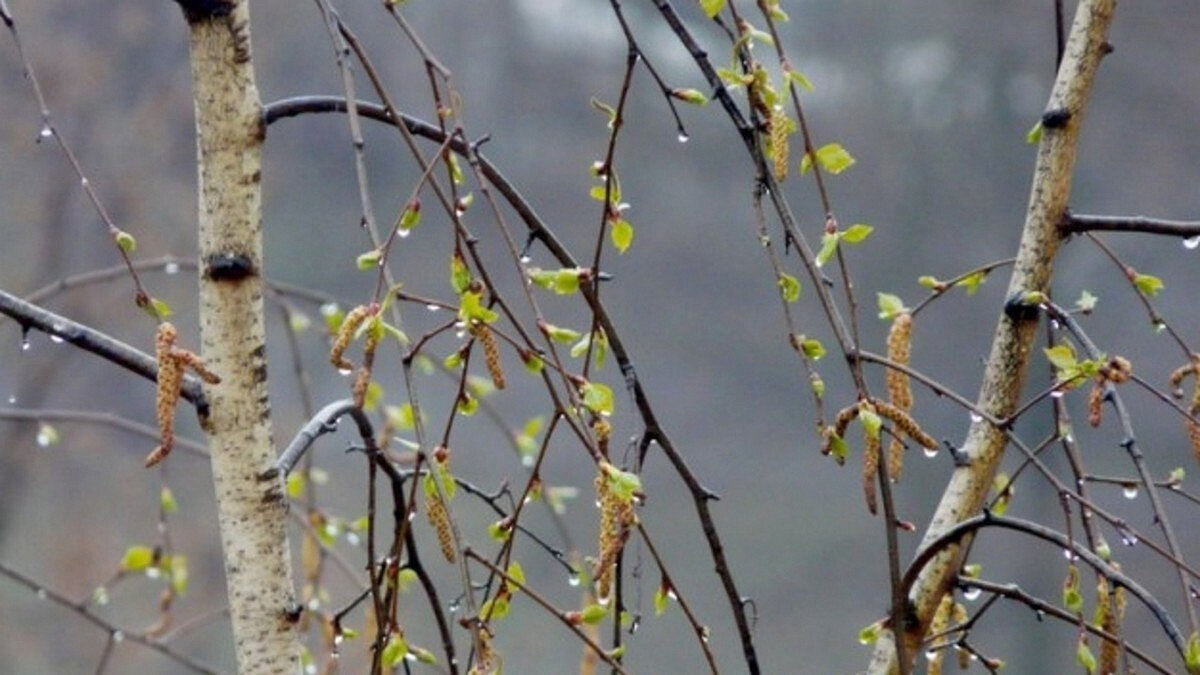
[30, 316]
[1077, 224]
[955, 534]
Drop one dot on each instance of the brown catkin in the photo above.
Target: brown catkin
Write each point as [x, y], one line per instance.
[899, 388]
[899, 349]
[602, 428]
[1106, 618]
[939, 624]
[491, 352]
[172, 361]
[439, 518]
[1095, 402]
[1196, 387]
[1193, 428]
[1177, 375]
[362, 379]
[844, 417]
[346, 333]
[616, 516]
[870, 469]
[905, 423]
[779, 142]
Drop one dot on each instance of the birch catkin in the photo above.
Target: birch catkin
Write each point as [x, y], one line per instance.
[899, 388]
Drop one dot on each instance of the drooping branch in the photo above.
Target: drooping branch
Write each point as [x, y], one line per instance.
[33, 317]
[537, 229]
[1080, 223]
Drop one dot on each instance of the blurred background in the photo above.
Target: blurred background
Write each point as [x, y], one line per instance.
[933, 99]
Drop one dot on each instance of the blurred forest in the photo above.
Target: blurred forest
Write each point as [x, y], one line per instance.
[933, 98]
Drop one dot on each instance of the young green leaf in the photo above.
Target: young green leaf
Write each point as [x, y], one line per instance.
[972, 282]
[1086, 302]
[1062, 356]
[622, 235]
[832, 157]
[137, 558]
[560, 334]
[594, 613]
[598, 398]
[890, 305]
[1034, 135]
[126, 241]
[829, 244]
[857, 233]
[460, 277]
[693, 96]
[1148, 284]
[798, 78]
[661, 598]
[789, 287]
[471, 307]
[712, 7]
[369, 260]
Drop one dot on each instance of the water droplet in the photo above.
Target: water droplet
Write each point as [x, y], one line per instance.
[453, 607]
[84, 181]
[171, 268]
[635, 624]
[338, 639]
[432, 307]
[1054, 324]
[56, 339]
[672, 595]
[1128, 538]
[46, 132]
[352, 538]
[525, 260]
[1129, 491]
[573, 579]
[1039, 614]
[527, 461]
[118, 636]
[12, 398]
[931, 655]
[1191, 243]
[1069, 554]
[153, 572]
[403, 234]
[344, 371]
[24, 343]
[1057, 393]
[930, 452]
[971, 594]
[310, 669]
[40, 593]
[976, 417]
[43, 439]
[683, 137]
[314, 604]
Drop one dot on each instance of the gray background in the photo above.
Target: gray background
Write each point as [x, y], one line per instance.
[933, 99]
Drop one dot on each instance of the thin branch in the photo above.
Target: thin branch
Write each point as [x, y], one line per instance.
[30, 316]
[112, 630]
[955, 534]
[1014, 592]
[1079, 223]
